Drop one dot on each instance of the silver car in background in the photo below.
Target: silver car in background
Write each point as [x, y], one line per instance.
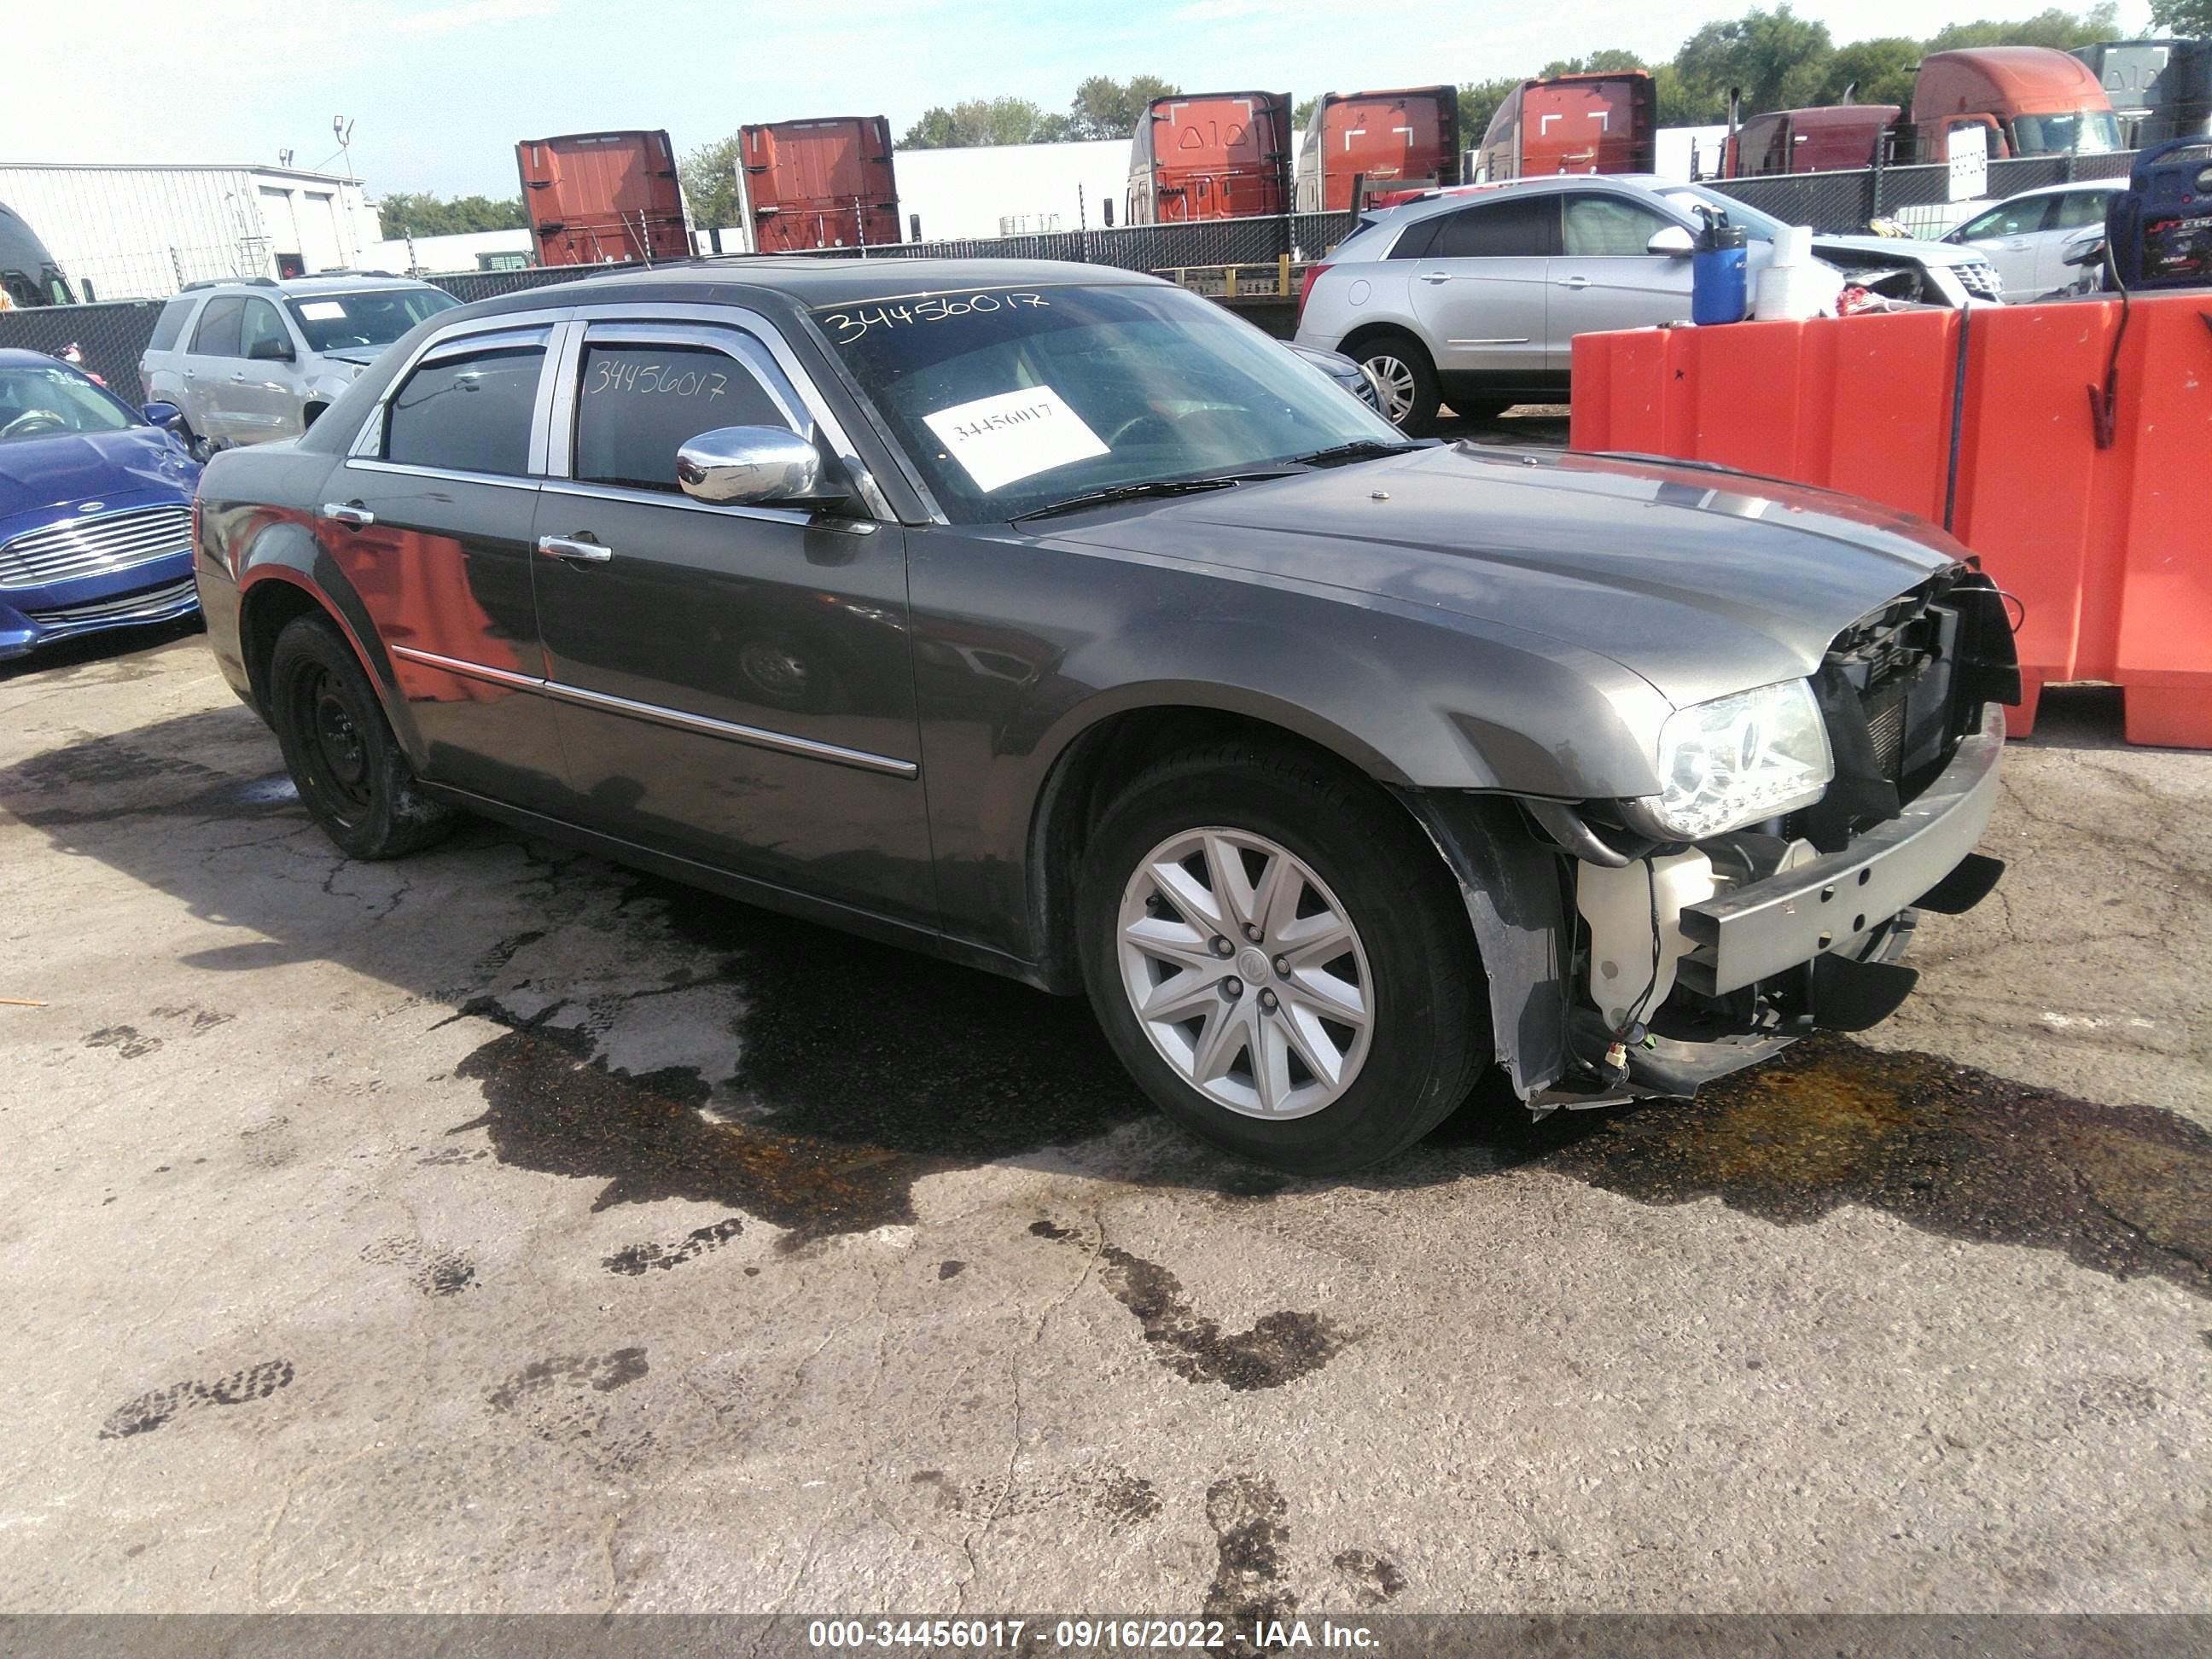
[2026, 236]
[1472, 296]
[254, 359]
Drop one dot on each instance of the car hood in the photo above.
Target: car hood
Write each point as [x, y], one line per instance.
[1700, 581]
[71, 467]
[361, 355]
[1895, 248]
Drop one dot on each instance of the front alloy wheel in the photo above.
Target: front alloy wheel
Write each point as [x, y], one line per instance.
[1245, 973]
[1280, 957]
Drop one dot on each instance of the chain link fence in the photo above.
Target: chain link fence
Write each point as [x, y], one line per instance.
[1915, 196]
[114, 335]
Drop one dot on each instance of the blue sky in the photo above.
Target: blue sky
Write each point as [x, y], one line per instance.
[440, 90]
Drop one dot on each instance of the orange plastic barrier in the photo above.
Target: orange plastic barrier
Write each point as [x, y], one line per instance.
[2109, 550]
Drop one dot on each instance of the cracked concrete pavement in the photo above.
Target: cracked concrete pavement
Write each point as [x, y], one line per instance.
[501, 1230]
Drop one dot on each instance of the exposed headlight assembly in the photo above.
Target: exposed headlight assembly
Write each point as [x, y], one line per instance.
[1734, 761]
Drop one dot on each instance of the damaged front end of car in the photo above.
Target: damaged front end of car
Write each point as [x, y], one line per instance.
[1770, 888]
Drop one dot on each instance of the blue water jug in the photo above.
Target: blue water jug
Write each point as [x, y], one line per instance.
[1719, 286]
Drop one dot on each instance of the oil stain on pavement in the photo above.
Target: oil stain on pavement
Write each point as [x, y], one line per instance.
[1280, 1347]
[2123, 1190]
[862, 1069]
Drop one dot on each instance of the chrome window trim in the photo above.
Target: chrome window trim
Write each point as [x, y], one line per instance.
[798, 517]
[752, 736]
[762, 332]
[451, 474]
[368, 437]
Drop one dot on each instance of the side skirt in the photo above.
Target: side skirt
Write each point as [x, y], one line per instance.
[747, 890]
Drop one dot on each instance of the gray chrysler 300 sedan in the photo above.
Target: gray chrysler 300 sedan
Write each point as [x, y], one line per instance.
[1048, 619]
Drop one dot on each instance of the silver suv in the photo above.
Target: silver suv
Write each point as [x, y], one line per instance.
[252, 360]
[1473, 297]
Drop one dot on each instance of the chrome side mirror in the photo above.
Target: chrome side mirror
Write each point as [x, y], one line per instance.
[752, 465]
[1671, 240]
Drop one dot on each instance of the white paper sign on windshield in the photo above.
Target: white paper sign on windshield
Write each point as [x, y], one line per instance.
[1014, 435]
[321, 311]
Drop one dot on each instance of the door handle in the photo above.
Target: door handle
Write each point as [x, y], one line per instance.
[574, 551]
[1574, 281]
[1435, 275]
[239, 376]
[352, 515]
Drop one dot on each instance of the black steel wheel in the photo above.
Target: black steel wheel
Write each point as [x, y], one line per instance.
[351, 774]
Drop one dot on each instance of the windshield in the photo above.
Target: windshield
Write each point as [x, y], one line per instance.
[1008, 399]
[1688, 198]
[2086, 132]
[334, 322]
[37, 402]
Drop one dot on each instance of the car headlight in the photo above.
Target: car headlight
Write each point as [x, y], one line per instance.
[1735, 760]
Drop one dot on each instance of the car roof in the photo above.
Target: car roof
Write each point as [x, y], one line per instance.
[301, 287]
[24, 357]
[2062, 190]
[808, 282]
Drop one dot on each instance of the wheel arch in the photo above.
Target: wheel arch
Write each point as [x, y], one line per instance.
[283, 575]
[1121, 736]
[1517, 911]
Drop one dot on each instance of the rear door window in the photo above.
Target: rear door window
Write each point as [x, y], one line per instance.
[638, 402]
[169, 326]
[470, 412]
[217, 336]
[1524, 227]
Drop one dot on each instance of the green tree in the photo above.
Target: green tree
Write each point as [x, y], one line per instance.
[1607, 60]
[422, 213]
[2063, 30]
[2189, 17]
[1477, 102]
[1681, 104]
[1878, 71]
[1107, 108]
[709, 175]
[1775, 59]
[1303, 112]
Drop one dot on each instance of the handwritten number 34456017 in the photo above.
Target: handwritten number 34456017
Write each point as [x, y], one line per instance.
[852, 324]
[609, 375]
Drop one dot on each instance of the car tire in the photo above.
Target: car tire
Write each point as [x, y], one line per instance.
[1404, 378]
[353, 777]
[1481, 408]
[1333, 855]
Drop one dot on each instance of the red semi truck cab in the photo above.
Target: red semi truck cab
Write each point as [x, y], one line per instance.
[2034, 100]
[823, 183]
[1407, 139]
[1834, 138]
[596, 196]
[1211, 155]
[1607, 123]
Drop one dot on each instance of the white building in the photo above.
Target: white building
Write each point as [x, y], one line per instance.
[143, 232]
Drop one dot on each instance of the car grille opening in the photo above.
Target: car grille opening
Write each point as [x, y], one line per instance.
[1982, 281]
[93, 545]
[148, 605]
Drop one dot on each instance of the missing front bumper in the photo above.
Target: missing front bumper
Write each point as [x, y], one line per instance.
[1763, 928]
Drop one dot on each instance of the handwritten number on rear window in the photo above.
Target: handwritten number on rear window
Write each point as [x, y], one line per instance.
[647, 380]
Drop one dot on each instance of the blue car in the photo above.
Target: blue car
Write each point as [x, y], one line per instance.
[95, 508]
